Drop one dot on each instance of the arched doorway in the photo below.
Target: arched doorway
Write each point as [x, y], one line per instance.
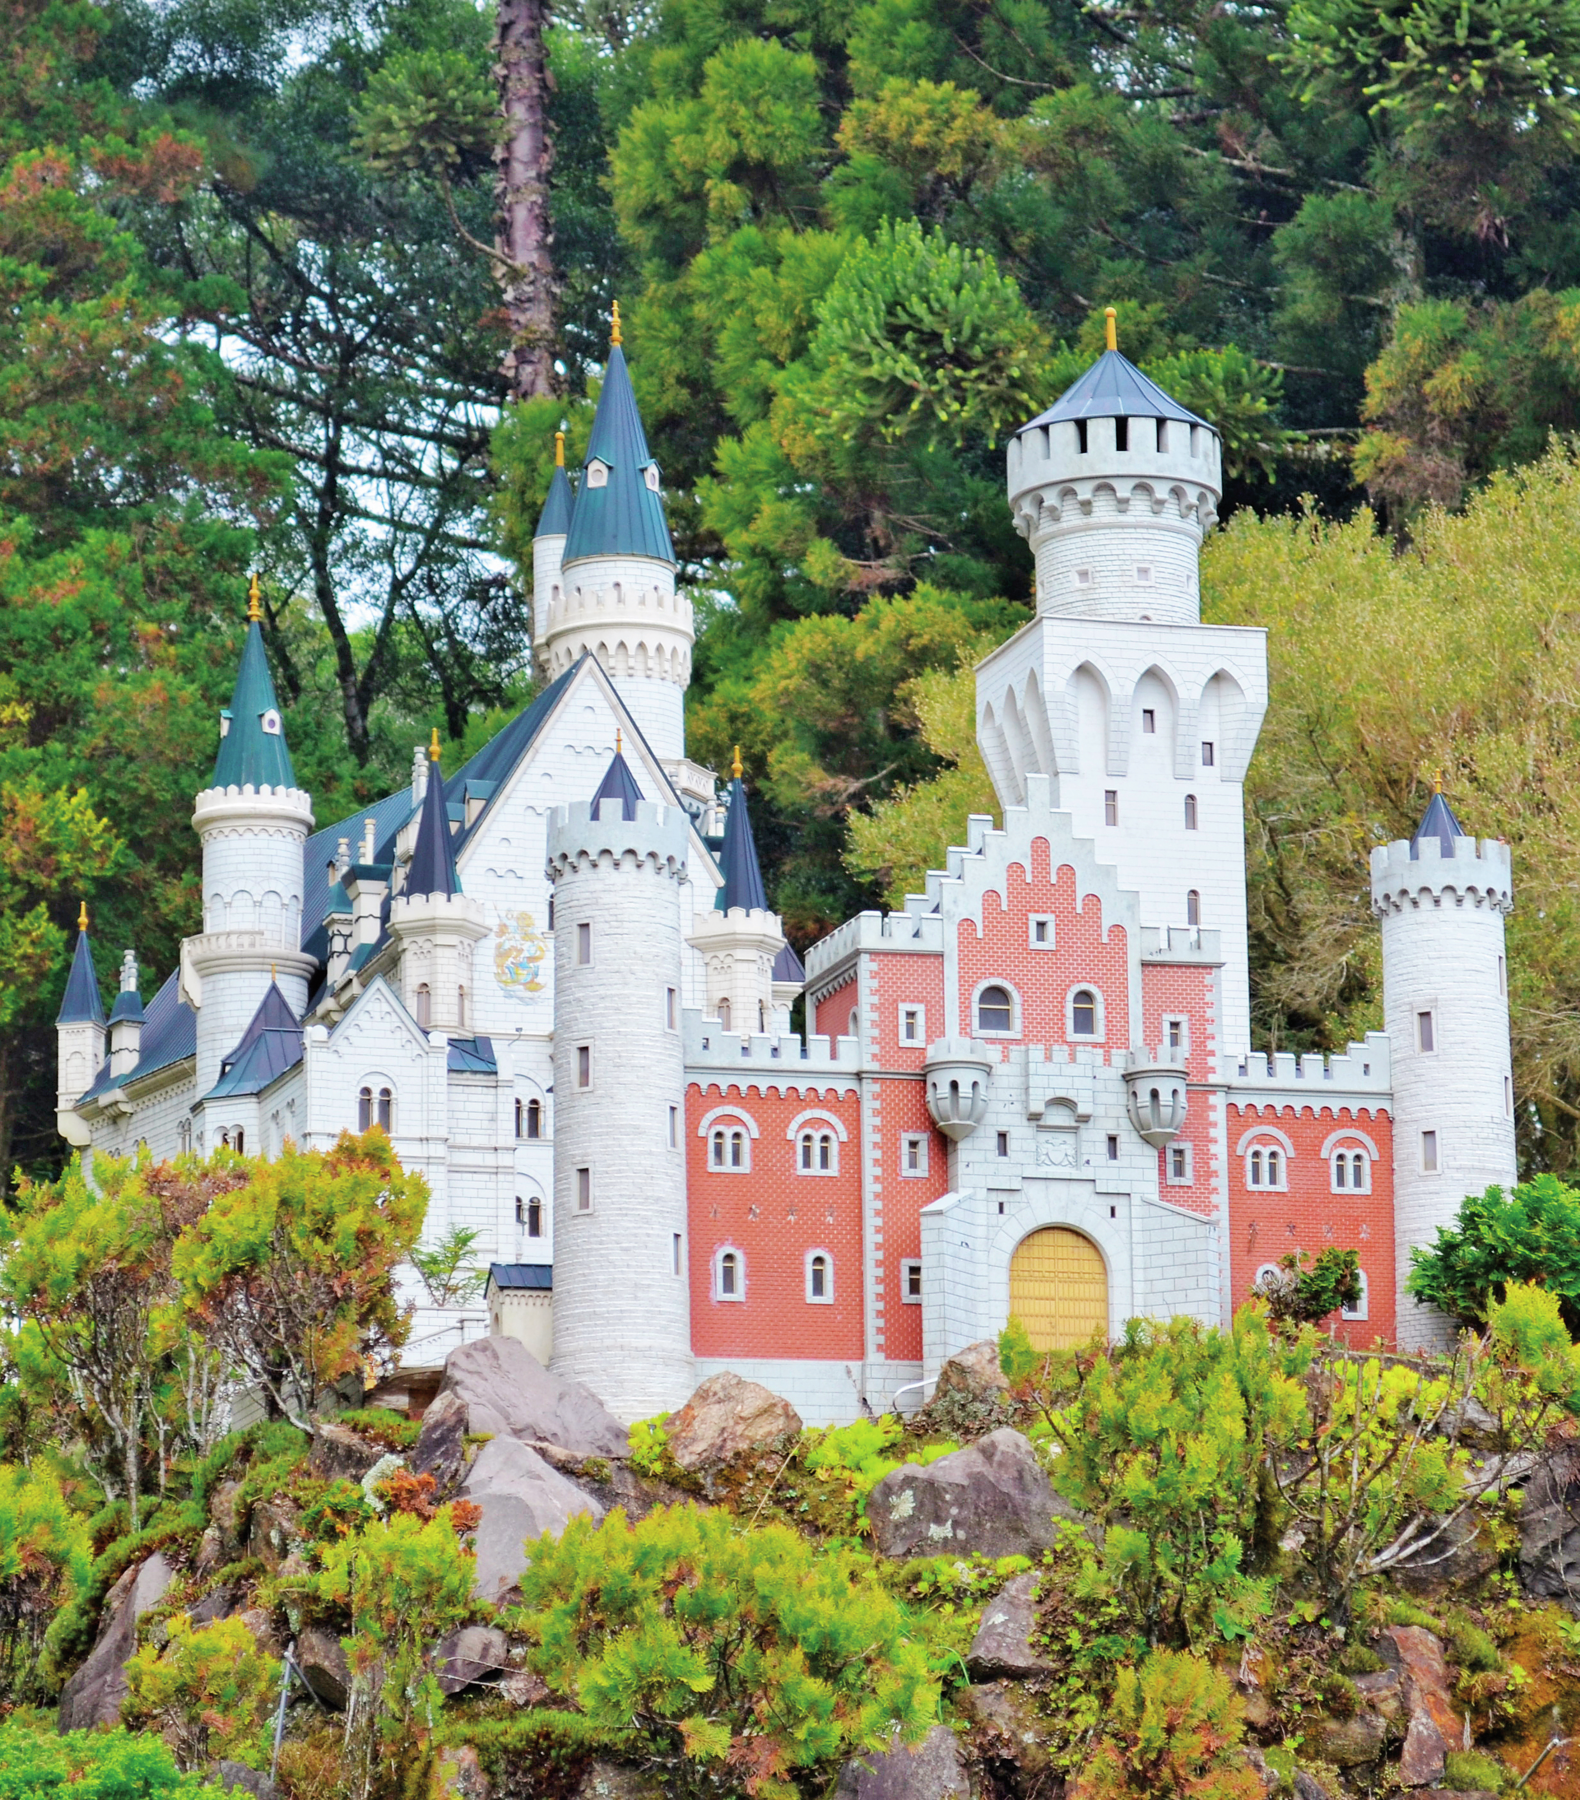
[1058, 1288]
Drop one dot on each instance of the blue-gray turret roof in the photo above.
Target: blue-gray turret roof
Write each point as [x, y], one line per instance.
[252, 749]
[1114, 388]
[271, 1044]
[624, 516]
[743, 875]
[81, 1005]
[555, 519]
[619, 784]
[432, 869]
[1437, 821]
[128, 1006]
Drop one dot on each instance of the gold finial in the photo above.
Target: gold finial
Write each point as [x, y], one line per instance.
[254, 599]
[1110, 314]
[82, 915]
[559, 449]
[271, 973]
[433, 746]
[614, 335]
[736, 771]
[619, 741]
[1437, 782]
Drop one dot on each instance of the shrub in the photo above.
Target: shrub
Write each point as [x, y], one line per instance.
[44, 1568]
[112, 1765]
[208, 1689]
[730, 1659]
[1470, 1771]
[1171, 1730]
[1302, 1295]
[650, 1446]
[859, 1454]
[1532, 1235]
[394, 1430]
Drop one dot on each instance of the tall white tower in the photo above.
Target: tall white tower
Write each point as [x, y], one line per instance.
[253, 821]
[79, 1037]
[1146, 717]
[1442, 898]
[617, 596]
[622, 1314]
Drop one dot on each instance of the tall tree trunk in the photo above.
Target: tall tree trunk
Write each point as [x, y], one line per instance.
[523, 158]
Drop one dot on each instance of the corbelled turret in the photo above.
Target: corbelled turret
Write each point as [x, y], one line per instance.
[79, 1037]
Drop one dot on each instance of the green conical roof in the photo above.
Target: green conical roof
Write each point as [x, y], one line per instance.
[252, 748]
[555, 519]
[624, 516]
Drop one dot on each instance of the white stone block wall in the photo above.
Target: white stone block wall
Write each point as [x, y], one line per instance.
[1443, 954]
[547, 555]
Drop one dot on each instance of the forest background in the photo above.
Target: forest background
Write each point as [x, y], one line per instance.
[307, 286]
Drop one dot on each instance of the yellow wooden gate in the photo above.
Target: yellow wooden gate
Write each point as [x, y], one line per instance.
[1058, 1288]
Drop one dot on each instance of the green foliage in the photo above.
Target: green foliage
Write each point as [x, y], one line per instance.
[448, 1273]
[734, 1660]
[44, 1568]
[1171, 1729]
[394, 1430]
[112, 1765]
[208, 1688]
[1305, 1295]
[1471, 1772]
[425, 110]
[650, 1446]
[1531, 1234]
[858, 1454]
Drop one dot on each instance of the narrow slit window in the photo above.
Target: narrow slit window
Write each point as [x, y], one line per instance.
[365, 1109]
[1425, 1032]
[386, 1112]
[1193, 908]
[1149, 721]
[1429, 1152]
[584, 1190]
[1208, 754]
[1111, 806]
[1190, 812]
[584, 944]
[534, 1118]
[424, 1006]
[1003, 1143]
[584, 1065]
[534, 1217]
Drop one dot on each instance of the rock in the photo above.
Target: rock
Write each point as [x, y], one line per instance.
[260, 1622]
[1383, 1693]
[1550, 1528]
[1007, 1735]
[509, 1393]
[725, 1417]
[217, 1603]
[339, 1454]
[222, 1515]
[521, 1497]
[93, 1696]
[1348, 1743]
[934, 1769]
[1457, 1794]
[1258, 1766]
[1456, 1562]
[440, 1450]
[1002, 1645]
[610, 1781]
[461, 1775]
[274, 1531]
[210, 1553]
[1307, 1787]
[323, 1665]
[1434, 1727]
[234, 1777]
[973, 1372]
[993, 1498]
[524, 1687]
[471, 1656]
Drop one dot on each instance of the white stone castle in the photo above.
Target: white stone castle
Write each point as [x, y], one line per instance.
[554, 980]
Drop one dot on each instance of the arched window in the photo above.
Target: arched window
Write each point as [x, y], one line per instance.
[1083, 1013]
[1352, 1171]
[1190, 812]
[1193, 908]
[241, 1142]
[364, 1109]
[1361, 1309]
[729, 1275]
[819, 1278]
[520, 1123]
[386, 1108]
[1265, 1166]
[818, 1153]
[460, 1007]
[184, 1137]
[762, 1016]
[995, 1010]
[529, 1212]
[724, 1015]
[424, 1006]
[534, 1118]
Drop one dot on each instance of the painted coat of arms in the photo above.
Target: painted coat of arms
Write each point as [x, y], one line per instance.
[519, 950]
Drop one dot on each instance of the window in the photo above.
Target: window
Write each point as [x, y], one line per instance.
[584, 945]
[1266, 1276]
[1113, 1147]
[519, 1121]
[1143, 571]
[650, 476]
[1083, 1013]
[184, 1137]
[1111, 806]
[365, 1109]
[1121, 434]
[1503, 976]
[816, 1153]
[729, 1275]
[241, 1142]
[1149, 721]
[1193, 908]
[460, 1008]
[913, 1025]
[1265, 1168]
[676, 1263]
[911, 1282]
[529, 1212]
[1190, 812]
[424, 1006]
[995, 1010]
[1359, 1309]
[674, 1127]
[1351, 1171]
[534, 1118]
[1207, 754]
[551, 912]
[584, 1065]
[1425, 1033]
[762, 1016]
[1176, 1035]
[597, 474]
[1508, 1096]
[1428, 1152]
[913, 1153]
[584, 1190]
[1041, 932]
[1178, 1165]
[724, 1015]
[386, 1112]
[1003, 1143]
[819, 1278]
[671, 1009]
[729, 1148]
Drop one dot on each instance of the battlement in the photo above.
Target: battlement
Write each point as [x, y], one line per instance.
[658, 834]
[437, 912]
[1181, 944]
[903, 931]
[248, 807]
[1479, 871]
[1364, 1069]
[712, 1052]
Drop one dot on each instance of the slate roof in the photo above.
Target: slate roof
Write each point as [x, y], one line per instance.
[1114, 388]
[619, 784]
[522, 1275]
[128, 1005]
[81, 1004]
[472, 1056]
[555, 519]
[169, 1036]
[248, 753]
[1437, 821]
[432, 866]
[743, 875]
[788, 967]
[271, 1044]
[624, 517]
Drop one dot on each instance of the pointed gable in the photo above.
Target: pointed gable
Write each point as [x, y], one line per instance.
[271, 1044]
[252, 751]
[1437, 821]
[81, 1004]
[618, 510]
[432, 869]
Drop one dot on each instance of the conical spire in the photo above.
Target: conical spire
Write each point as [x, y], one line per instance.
[1114, 388]
[619, 784]
[432, 868]
[743, 875]
[252, 742]
[81, 1004]
[618, 511]
[555, 519]
[1437, 821]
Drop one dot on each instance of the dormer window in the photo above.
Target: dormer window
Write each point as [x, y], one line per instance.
[224, 723]
[271, 723]
[597, 474]
[650, 476]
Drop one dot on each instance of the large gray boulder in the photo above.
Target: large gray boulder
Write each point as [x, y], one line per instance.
[509, 1393]
[440, 1450]
[93, 1696]
[1002, 1645]
[934, 1769]
[725, 1418]
[521, 1496]
[992, 1498]
[1550, 1529]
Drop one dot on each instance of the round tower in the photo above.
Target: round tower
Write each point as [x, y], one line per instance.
[1114, 488]
[1442, 898]
[253, 821]
[617, 598]
[434, 923]
[622, 1315]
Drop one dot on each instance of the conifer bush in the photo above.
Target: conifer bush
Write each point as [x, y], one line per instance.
[89, 1765]
[732, 1660]
[44, 1567]
[1171, 1730]
[208, 1689]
